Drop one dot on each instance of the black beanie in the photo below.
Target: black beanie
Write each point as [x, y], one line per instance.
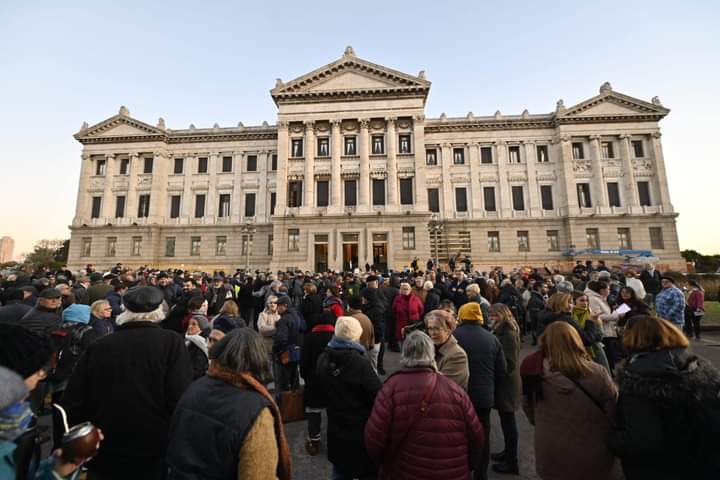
[23, 351]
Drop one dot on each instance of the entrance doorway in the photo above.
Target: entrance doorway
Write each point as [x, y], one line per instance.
[350, 251]
[321, 253]
[380, 251]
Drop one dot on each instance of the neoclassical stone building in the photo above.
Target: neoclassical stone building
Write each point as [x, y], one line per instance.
[353, 173]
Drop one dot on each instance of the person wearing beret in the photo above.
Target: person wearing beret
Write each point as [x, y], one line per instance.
[45, 316]
[128, 384]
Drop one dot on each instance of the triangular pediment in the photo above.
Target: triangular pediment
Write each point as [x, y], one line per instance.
[613, 104]
[351, 75]
[119, 126]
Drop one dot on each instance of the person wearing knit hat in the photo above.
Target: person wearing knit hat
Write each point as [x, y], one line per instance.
[350, 385]
[74, 336]
[471, 311]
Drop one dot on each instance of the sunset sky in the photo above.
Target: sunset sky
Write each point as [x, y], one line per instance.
[63, 63]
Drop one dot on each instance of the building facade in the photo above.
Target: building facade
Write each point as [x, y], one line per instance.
[7, 246]
[353, 173]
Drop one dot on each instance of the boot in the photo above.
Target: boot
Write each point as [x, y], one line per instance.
[312, 447]
[506, 467]
[498, 456]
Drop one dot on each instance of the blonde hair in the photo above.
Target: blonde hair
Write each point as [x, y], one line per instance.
[506, 317]
[98, 306]
[646, 333]
[230, 307]
[558, 301]
[563, 349]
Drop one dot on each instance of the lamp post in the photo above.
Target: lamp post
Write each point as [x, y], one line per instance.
[436, 228]
[247, 231]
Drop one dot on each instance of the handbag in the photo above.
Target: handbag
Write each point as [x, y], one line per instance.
[291, 355]
[292, 405]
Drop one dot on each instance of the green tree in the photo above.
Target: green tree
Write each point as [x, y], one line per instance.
[703, 263]
[46, 253]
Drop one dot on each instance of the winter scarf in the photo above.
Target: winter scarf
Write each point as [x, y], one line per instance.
[339, 343]
[14, 420]
[199, 341]
[323, 328]
[246, 381]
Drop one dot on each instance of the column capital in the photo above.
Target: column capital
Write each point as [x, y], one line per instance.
[309, 123]
[624, 136]
[500, 143]
[283, 124]
[335, 123]
[109, 156]
[594, 137]
[562, 139]
[419, 118]
[391, 120]
[134, 155]
[85, 156]
[364, 123]
[656, 134]
[445, 145]
[528, 142]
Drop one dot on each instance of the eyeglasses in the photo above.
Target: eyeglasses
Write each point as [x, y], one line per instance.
[435, 329]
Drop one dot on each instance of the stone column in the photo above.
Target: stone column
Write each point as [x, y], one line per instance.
[598, 188]
[214, 163]
[262, 208]
[568, 175]
[158, 189]
[630, 197]
[505, 207]
[237, 201]
[282, 171]
[107, 212]
[421, 201]
[187, 201]
[309, 180]
[83, 202]
[363, 149]
[392, 182]
[447, 187]
[335, 166]
[533, 189]
[475, 189]
[131, 202]
[660, 173]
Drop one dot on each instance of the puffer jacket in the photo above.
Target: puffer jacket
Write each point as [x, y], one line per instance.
[668, 417]
[450, 421]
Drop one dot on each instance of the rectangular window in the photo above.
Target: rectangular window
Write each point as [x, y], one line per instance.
[110, 246]
[96, 204]
[120, 206]
[100, 167]
[518, 198]
[378, 191]
[195, 246]
[404, 142]
[136, 250]
[220, 246]
[514, 153]
[607, 150]
[644, 193]
[592, 237]
[489, 199]
[270, 245]
[638, 150]
[523, 238]
[656, 238]
[86, 250]
[434, 200]
[178, 168]
[251, 163]
[202, 165]
[293, 239]
[144, 205]
[249, 204]
[458, 156]
[461, 199]
[200, 205]
[322, 191]
[350, 146]
[624, 241]
[430, 156]
[578, 152]
[175, 206]
[493, 241]
[583, 194]
[294, 193]
[273, 198]
[350, 193]
[553, 241]
[542, 154]
[297, 148]
[486, 154]
[406, 191]
[124, 166]
[323, 147]
[408, 238]
[273, 162]
[224, 205]
[148, 165]
[169, 246]
[546, 197]
[378, 144]
[227, 164]
[613, 191]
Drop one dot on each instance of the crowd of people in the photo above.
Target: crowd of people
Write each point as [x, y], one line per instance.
[186, 374]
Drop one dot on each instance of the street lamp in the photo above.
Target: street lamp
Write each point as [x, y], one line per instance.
[436, 228]
[247, 231]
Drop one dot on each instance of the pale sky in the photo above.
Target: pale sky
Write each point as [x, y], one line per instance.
[62, 63]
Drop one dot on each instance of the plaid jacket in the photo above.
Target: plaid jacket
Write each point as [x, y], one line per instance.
[670, 305]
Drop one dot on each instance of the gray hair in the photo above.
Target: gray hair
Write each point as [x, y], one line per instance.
[243, 350]
[418, 351]
[270, 299]
[156, 316]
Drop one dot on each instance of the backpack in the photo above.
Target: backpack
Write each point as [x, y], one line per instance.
[67, 345]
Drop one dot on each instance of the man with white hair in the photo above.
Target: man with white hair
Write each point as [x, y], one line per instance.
[128, 384]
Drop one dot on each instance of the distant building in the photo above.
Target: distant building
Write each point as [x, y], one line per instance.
[7, 245]
[353, 173]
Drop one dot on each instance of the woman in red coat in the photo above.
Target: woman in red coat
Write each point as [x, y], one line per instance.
[423, 425]
[407, 307]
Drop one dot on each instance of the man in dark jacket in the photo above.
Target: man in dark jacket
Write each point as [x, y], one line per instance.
[80, 290]
[535, 305]
[650, 279]
[99, 288]
[14, 309]
[487, 367]
[128, 384]
[45, 317]
[217, 294]
[287, 337]
[170, 290]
